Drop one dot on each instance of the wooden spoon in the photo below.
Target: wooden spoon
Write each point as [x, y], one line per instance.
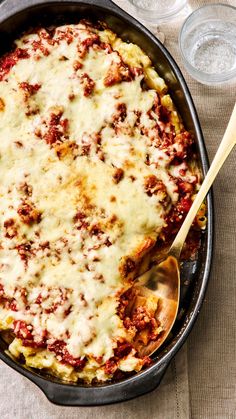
[163, 279]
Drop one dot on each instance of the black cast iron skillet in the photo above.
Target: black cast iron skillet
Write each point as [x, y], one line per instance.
[18, 15]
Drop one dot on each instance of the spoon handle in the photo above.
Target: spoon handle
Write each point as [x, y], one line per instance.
[226, 146]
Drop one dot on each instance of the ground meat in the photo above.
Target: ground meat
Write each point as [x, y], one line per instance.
[66, 34]
[30, 89]
[28, 213]
[153, 185]
[107, 242]
[121, 113]
[84, 46]
[53, 135]
[39, 46]
[137, 319]
[62, 354]
[123, 349]
[87, 84]
[185, 187]
[124, 301]
[57, 127]
[11, 228]
[140, 318]
[25, 251]
[118, 175]
[9, 60]
[117, 72]
[95, 230]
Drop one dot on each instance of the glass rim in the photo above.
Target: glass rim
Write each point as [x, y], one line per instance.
[163, 15]
[199, 74]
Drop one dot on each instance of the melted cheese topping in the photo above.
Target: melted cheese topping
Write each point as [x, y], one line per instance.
[77, 127]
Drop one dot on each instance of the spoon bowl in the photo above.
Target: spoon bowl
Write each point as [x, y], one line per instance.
[163, 281]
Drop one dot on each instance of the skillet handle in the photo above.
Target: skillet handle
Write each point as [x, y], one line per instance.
[68, 395]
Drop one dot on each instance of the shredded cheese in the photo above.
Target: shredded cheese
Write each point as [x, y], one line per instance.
[76, 130]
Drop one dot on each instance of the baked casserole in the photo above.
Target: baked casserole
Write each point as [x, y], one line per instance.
[96, 170]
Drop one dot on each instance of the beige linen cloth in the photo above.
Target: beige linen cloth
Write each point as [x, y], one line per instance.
[201, 381]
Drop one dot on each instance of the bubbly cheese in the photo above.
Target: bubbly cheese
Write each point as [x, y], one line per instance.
[80, 164]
